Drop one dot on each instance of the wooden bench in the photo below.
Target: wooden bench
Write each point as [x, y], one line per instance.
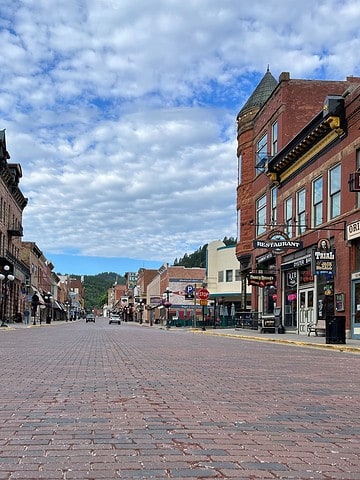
[318, 328]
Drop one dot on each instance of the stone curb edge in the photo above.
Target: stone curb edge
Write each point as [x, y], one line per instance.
[298, 343]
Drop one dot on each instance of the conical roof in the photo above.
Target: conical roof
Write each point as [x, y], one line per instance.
[261, 93]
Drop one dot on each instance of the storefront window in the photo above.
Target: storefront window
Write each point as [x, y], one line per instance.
[290, 301]
[305, 276]
[357, 254]
[325, 296]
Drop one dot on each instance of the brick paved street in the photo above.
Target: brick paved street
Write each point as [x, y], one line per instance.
[99, 401]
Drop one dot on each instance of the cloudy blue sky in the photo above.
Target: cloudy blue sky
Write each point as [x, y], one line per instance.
[122, 114]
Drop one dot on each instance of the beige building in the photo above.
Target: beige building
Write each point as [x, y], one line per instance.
[224, 281]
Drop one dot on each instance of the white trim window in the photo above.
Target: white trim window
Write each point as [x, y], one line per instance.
[239, 168]
[260, 215]
[274, 138]
[317, 202]
[300, 211]
[238, 226]
[288, 215]
[358, 168]
[229, 275]
[261, 151]
[273, 194]
[334, 192]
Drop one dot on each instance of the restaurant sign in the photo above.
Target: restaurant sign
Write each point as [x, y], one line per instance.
[277, 242]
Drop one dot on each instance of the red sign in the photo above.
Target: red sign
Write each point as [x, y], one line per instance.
[261, 279]
[203, 294]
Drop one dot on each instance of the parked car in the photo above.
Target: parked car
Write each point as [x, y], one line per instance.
[114, 318]
[90, 317]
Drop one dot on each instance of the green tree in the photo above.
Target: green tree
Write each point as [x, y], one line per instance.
[96, 288]
[198, 258]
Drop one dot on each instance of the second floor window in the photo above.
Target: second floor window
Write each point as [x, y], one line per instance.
[261, 151]
[274, 138]
[317, 202]
[300, 212]
[239, 168]
[334, 191]
[261, 215]
[288, 214]
[358, 167]
[273, 219]
[229, 275]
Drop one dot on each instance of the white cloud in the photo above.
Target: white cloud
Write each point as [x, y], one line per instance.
[122, 114]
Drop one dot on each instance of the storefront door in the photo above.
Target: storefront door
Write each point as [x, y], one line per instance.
[355, 310]
[306, 310]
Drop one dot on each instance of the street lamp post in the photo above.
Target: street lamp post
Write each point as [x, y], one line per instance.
[167, 306]
[47, 300]
[67, 306]
[34, 306]
[141, 310]
[6, 276]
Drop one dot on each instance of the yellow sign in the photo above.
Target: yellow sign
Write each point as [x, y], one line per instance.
[203, 303]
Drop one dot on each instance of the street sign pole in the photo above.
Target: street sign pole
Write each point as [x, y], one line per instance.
[194, 317]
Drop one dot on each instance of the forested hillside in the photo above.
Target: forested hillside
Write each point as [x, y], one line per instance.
[96, 287]
[198, 258]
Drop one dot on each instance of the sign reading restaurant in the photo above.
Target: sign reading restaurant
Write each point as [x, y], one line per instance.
[277, 242]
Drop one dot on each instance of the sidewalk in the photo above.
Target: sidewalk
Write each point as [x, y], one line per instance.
[19, 326]
[288, 338]
[351, 345]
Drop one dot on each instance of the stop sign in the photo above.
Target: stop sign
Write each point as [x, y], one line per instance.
[203, 294]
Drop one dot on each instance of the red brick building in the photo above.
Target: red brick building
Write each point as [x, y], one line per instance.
[298, 144]
[169, 287]
[14, 275]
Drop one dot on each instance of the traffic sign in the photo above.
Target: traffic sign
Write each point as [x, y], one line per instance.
[203, 303]
[203, 294]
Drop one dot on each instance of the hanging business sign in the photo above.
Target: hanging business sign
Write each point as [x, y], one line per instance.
[278, 242]
[261, 279]
[354, 182]
[291, 278]
[323, 258]
[353, 230]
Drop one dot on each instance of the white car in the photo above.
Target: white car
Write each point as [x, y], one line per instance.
[114, 318]
[90, 317]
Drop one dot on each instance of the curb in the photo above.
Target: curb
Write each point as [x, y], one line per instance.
[298, 343]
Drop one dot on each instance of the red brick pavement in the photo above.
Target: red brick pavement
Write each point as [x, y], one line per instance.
[99, 401]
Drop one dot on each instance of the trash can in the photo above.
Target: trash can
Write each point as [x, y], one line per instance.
[335, 330]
